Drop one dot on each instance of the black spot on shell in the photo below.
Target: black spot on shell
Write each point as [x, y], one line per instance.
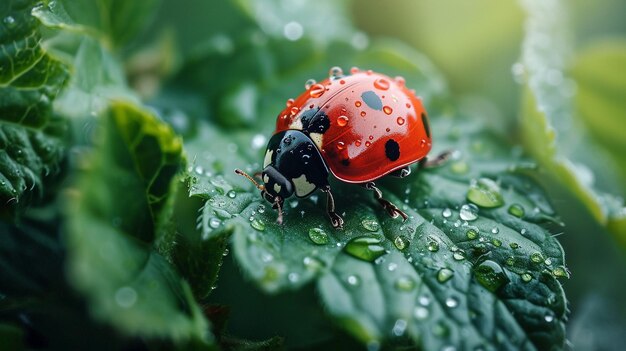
[345, 162]
[315, 121]
[392, 150]
[426, 125]
[372, 100]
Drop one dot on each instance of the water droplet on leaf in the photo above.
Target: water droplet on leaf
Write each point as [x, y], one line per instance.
[318, 236]
[444, 274]
[469, 212]
[516, 210]
[366, 248]
[491, 275]
[484, 192]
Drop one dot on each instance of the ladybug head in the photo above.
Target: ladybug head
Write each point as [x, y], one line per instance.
[275, 189]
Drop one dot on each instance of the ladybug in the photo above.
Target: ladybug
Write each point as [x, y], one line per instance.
[359, 127]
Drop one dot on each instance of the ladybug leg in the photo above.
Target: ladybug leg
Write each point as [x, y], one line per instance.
[401, 173]
[335, 219]
[438, 161]
[391, 209]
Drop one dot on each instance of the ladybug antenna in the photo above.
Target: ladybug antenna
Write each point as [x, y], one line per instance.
[242, 173]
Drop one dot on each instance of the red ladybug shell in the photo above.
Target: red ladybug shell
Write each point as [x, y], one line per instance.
[376, 125]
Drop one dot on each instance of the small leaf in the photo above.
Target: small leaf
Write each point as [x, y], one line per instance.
[121, 203]
[31, 135]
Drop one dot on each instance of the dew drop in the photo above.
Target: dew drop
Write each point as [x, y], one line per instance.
[516, 210]
[126, 297]
[496, 242]
[354, 70]
[400, 81]
[495, 230]
[381, 83]
[318, 236]
[199, 170]
[366, 248]
[458, 256]
[420, 312]
[446, 213]
[317, 90]
[484, 192]
[309, 83]
[469, 212]
[293, 277]
[258, 141]
[370, 225]
[444, 274]
[471, 234]
[9, 21]
[312, 263]
[231, 194]
[341, 145]
[452, 302]
[214, 222]
[401, 242]
[560, 272]
[387, 109]
[392, 266]
[367, 143]
[510, 261]
[353, 280]
[514, 246]
[363, 113]
[342, 121]
[357, 103]
[399, 327]
[526, 277]
[400, 121]
[405, 283]
[335, 72]
[289, 102]
[357, 143]
[491, 275]
[294, 110]
[549, 318]
[433, 246]
[536, 257]
[258, 224]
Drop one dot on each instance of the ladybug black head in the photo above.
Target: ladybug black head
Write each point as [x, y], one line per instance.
[275, 184]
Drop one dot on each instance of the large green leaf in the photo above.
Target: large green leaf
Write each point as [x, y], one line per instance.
[121, 205]
[437, 279]
[31, 136]
[550, 132]
[600, 103]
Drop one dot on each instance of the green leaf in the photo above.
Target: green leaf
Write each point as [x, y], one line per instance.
[549, 130]
[431, 284]
[114, 22]
[31, 136]
[600, 104]
[121, 205]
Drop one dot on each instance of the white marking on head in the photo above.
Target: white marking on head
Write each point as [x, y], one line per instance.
[302, 185]
[266, 178]
[317, 139]
[277, 188]
[268, 158]
[296, 124]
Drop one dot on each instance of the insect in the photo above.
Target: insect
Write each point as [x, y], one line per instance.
[358, 127]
